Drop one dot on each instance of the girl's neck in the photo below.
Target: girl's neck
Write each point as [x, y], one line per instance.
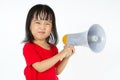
[40, 42]
[43, 44]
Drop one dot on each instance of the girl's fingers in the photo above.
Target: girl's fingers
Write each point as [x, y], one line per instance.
[73, 49]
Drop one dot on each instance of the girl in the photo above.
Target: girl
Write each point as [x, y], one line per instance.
[43, 62]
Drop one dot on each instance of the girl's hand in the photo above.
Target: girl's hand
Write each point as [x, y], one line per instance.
[67, 51]
[72, 51]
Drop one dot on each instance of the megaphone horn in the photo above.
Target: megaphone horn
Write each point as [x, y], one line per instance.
[94, 38]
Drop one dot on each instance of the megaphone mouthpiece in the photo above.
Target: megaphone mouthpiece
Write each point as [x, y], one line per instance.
[65, 37]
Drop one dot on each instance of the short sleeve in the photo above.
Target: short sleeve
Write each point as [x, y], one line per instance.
[30, 54]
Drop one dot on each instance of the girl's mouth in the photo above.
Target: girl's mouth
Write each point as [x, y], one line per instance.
[41, 32]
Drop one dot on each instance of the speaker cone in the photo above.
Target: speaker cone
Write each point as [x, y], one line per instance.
[96, 38]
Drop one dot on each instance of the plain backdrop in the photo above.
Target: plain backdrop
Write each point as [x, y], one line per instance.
[71, 16]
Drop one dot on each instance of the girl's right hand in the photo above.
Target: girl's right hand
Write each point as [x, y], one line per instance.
[67, 51]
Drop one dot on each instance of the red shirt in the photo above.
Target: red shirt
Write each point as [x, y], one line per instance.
[34, 53]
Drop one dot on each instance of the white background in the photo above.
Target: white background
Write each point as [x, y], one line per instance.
[71, 16]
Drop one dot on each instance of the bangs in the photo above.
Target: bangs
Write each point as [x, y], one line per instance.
[43, 15]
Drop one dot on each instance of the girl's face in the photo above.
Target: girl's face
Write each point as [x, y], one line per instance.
[40, 29]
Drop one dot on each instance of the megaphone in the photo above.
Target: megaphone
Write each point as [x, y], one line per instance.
[94, 38]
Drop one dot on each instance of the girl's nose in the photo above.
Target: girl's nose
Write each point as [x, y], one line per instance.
[42, 26]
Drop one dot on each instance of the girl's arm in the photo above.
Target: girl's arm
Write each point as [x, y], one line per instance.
[64, 62]
[48, 63]
[62, 65]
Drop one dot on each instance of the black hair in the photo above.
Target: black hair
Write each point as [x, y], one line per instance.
[48, 14]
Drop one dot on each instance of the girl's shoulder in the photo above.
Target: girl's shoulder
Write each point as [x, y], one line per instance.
[53, 47]
[28, 44]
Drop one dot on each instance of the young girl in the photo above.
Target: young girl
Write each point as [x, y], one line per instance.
[43, 62]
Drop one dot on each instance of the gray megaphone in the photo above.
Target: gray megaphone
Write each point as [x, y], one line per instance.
[94, 38]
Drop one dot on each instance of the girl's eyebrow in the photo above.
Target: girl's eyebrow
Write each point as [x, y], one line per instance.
[35, 20]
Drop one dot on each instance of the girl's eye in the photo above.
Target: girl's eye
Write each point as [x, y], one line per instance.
[47, 23]
[37, 22]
